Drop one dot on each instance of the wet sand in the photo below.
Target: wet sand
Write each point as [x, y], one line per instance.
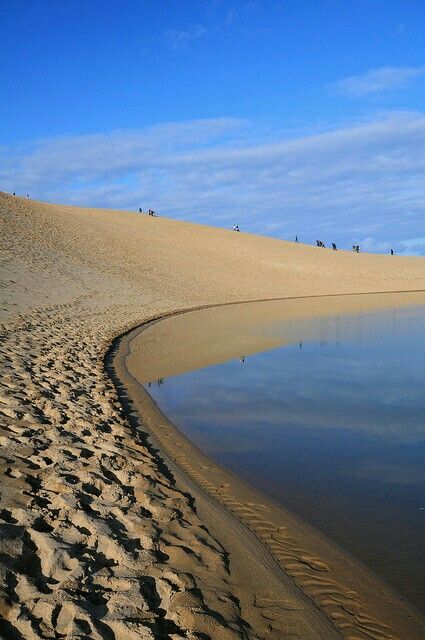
[106, 530]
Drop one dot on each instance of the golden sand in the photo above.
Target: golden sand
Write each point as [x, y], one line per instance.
[104, 534]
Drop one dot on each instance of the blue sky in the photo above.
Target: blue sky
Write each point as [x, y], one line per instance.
[286, 117]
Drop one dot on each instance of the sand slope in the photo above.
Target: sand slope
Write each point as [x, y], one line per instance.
[97, 539]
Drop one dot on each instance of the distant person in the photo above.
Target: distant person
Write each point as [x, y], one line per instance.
[392, 252]
[296, 238]
[354, 247]
[140, 210]
[14, 193]
[357, 248]
[28, 197]
[334, 246]
[235, 227]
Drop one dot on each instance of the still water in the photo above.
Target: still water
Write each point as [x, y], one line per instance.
[329, 419]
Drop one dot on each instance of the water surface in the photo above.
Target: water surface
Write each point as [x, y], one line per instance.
[320, 407]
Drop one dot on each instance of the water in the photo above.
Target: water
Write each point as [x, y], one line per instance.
[331, 424]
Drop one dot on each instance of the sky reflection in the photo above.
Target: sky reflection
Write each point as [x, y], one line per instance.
[333, 427]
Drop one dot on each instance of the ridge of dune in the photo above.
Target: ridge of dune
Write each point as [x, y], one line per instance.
[98, 538]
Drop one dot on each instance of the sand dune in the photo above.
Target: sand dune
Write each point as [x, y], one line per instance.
[100, 537]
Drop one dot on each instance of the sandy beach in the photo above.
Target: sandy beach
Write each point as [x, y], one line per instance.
[112, 524]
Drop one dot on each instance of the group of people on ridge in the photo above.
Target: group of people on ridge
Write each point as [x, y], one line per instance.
[320, 243]
[150, 212]
[28, 195]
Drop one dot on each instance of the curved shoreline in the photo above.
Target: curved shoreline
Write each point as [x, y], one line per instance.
[339, 597]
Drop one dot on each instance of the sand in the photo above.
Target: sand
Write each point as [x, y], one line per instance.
[106, 529]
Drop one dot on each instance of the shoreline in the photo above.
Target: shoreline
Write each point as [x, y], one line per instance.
[350, 598]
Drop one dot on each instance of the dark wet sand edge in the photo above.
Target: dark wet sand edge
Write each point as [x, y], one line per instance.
[276, 560]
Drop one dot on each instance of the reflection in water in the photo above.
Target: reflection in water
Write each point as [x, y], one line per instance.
[331, 425]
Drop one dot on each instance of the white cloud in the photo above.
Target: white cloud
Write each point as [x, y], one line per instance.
[360, 183]
[180, 38]
[413, 246]
[377, 81]
[371, 245]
